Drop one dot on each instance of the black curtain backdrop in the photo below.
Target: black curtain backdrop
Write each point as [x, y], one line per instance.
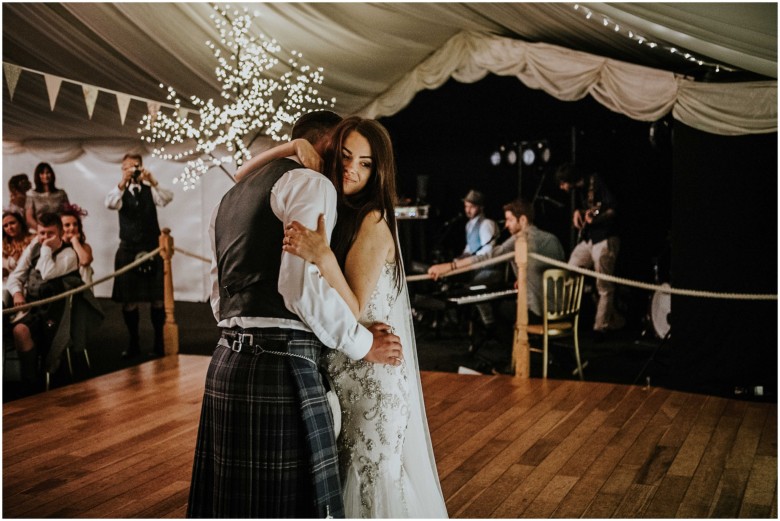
[724, 239]
[703, 208]
[449, 134]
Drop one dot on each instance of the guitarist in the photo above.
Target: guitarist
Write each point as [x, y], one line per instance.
[598, 244]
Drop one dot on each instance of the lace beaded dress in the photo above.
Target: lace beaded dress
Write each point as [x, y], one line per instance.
[377, 444]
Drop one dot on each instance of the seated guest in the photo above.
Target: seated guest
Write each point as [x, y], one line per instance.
[16, 237]
[40, 273]
[45, 196]
[18, 186]
[73, 234]
[519, 215]
[83, 317]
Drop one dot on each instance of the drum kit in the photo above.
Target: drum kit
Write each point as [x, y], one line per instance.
[659, 310]
[658, 318]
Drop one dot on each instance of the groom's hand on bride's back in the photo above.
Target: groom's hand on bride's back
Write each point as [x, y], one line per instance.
[386, 348]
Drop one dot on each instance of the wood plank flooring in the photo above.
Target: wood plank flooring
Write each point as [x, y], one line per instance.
[121, 446]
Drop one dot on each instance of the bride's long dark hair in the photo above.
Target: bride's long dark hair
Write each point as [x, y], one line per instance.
[378, 194]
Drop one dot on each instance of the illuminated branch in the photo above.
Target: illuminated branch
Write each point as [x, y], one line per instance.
[257, 100]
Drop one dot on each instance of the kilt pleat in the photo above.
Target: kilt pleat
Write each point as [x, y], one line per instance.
[254, 455]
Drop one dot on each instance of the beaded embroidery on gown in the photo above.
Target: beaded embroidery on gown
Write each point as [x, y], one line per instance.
[378, 440]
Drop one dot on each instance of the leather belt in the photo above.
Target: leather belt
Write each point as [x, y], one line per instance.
[246, 343]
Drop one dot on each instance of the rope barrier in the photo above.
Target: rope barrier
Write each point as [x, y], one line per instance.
[190, 254]
[654, 287]
[610, 278]
[85, 287]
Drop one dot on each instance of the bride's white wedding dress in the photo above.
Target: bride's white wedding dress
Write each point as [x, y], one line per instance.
[385, 454]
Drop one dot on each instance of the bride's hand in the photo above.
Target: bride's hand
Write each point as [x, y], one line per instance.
[310, 245]
[307, 154]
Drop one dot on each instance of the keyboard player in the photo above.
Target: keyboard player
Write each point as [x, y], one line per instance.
[519, 218]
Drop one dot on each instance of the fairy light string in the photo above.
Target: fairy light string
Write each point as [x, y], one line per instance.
[632, 34]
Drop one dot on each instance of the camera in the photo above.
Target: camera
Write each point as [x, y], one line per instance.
[136, 173]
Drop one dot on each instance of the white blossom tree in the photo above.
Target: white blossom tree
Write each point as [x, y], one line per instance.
[261, 95]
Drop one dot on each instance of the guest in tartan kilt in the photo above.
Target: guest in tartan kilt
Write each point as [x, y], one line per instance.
[266, 443]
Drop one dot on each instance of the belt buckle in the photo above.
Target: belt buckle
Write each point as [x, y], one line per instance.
[241, 339]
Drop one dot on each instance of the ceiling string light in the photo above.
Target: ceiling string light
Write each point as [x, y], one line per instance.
[257, 99]
[643, 40]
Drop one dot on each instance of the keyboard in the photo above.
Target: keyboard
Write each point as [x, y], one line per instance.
[482, 297]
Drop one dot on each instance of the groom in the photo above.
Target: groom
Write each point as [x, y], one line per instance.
[266, 446]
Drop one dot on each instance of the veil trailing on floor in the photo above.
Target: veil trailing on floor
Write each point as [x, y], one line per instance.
[418, 458]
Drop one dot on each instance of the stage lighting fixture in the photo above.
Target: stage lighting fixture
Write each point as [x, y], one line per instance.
[529, 156]
[495, 158]
[536, 152]
[511, 156]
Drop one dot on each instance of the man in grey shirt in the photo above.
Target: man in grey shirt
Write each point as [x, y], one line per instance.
[519, 218]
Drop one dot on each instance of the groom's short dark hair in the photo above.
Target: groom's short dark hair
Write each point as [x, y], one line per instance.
[313, 126]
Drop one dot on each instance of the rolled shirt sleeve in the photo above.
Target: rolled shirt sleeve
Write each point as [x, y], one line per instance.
[161, 196]
[114, 199]
[302, 195]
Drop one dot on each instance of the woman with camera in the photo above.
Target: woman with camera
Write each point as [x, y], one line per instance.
[136, 198]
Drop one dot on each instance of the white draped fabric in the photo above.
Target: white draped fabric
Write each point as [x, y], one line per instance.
[639, 92]
[376, 56]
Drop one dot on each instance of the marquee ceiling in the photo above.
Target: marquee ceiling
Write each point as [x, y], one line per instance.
[364, 48]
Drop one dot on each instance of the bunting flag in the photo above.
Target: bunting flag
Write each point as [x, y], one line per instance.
[12, 73]
[53, 88]
[123, 101]
[90, 97]
[54, 83]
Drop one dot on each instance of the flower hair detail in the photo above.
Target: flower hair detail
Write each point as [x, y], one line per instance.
[74, 209]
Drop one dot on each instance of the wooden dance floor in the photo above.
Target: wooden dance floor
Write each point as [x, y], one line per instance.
[121, 445]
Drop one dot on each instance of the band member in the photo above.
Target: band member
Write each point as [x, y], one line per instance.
[595, 218]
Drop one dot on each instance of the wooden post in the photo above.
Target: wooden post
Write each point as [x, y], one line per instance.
[521, 354]
[170, 329]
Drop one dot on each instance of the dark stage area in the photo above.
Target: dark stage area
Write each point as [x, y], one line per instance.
[695, 210]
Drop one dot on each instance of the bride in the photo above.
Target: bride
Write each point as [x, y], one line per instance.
[385, 454]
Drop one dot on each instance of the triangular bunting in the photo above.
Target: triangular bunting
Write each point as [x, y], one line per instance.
[53, 88]
[153, 107]
[12, 73]
[123, 101]
[90, 96]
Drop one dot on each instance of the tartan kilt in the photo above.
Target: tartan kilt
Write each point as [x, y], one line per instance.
[142, 284]
[266, 446]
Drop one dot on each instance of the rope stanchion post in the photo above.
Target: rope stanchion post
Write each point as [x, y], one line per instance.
[170, 329]
[521, 350]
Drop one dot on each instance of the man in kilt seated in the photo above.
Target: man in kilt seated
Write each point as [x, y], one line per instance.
[40, 273]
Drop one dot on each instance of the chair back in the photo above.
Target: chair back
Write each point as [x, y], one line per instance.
[562, 291]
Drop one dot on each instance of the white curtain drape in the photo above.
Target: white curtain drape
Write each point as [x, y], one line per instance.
[65, 151]
[639, 92]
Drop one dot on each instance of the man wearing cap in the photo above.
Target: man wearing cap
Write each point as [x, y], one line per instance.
[481, 232]
[481, 236]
